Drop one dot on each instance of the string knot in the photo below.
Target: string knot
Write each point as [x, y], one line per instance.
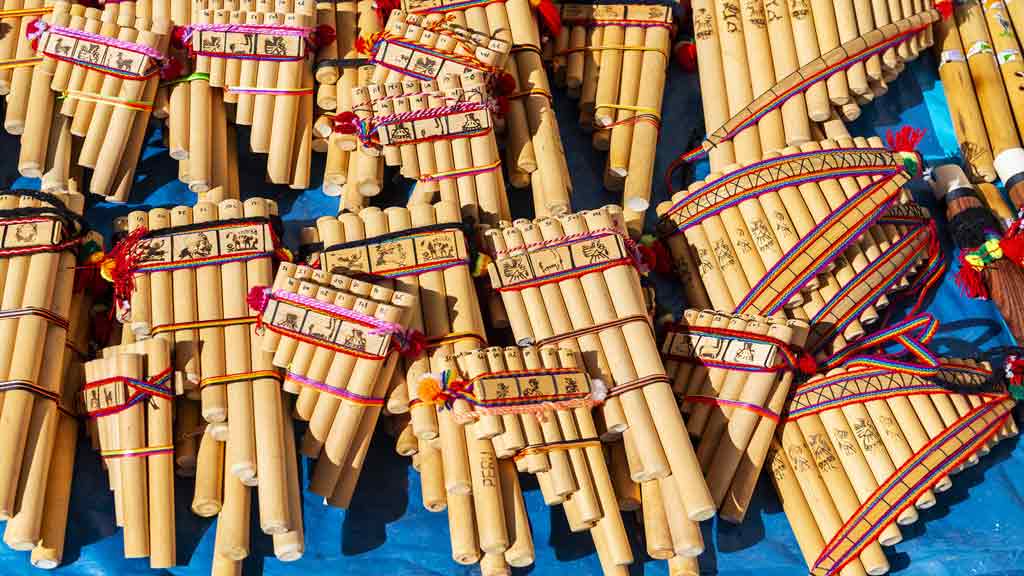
[654, 255]
[35, 30]
[258, 298]
[346, 122]
[180, 36]
[410, 342]
[806, 364]
[441, 388]
[171, 69]
[119, 265]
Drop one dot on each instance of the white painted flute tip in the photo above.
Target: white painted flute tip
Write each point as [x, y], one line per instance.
[289, 553]
[45, 563]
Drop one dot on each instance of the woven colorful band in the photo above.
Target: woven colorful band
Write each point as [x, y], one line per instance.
[346, 395]
[55, 245]
[461, 59]
[240, 377]
[48, 315]
[747, 406]
[461, 172]
[788, 357]
[17, 12]
[535, 449]
[26, 386]
[843, 57]
[368, 130]
[108, 100]
[93, 63]
[921, 241]
[158, 386]
[251, 32]
[144, 452]
[620, 389]
[596, 328]
[936, 460]
[201, 324]
[270, 91]
[190, 78]
[913, 334]
[20, 62]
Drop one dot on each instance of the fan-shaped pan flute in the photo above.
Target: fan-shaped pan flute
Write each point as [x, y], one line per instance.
[841, 483]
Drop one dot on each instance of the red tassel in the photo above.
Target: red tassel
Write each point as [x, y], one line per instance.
[322, 36]
[385, 7]
[121, 262]
[171, 69]
[346, 122]
[410, 343]
[549, 16]
[258, 298]
[179, 37]
[906, 140]
[970, 282]
[686, 55]
[945, 8]
[806, 364]
[34, 31]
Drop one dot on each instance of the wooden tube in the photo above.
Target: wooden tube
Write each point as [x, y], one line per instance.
[49, 550]
[200, 159]
[626, 490]
[160, 432]
[738, 89]
[517, 525]
[785, 62]
[210, 307]
[265, 104]
[487, 495]
[21, 77]
[291, 76]
[134, 483]
[39, 113]
[232, 541]
[798, 511]
[512, 436]
[657, 536]
[761, 72]
[92, 120]
[629, 88]
[847, 23]
[432, 484]
[808, 49]
[288, 546]
[686, 537]
[462, 529]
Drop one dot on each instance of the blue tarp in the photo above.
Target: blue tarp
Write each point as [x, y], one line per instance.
[972, 530]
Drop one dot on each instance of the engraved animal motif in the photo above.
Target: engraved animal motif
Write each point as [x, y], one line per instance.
[89, 53]
[153, 250]
[347, 262]
[275, 46]
[25, 233]
[596, 251]
[325, 333]
[746, 353]
[437, 248]
[425, 66]
[243, 47]
[211, 43]
[242, 240]
[198, 246]
[59, 47]
[515, 270]
[532, 387]
[291, 321]
[391, 253]
[122, 62]
[356, 340]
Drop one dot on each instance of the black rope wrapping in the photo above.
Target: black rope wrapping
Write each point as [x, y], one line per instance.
[973, 227]
[342, 63]
[75, 224]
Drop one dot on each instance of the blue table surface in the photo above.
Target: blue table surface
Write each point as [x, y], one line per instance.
[387, 531]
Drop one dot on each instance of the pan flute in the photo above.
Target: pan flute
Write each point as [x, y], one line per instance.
[41, 235]
[556, 277]
[821, 234]
[130, 394]
[338, 338]
[260, 54]
[733, 374]
[183, 275]
[613, 58]
[866, 443]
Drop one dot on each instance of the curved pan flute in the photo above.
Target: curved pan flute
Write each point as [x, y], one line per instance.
[556, 277]
[613, 57]
[191, 271]
[758, 358]
[534, 153]
[841, 218]
[844, 487]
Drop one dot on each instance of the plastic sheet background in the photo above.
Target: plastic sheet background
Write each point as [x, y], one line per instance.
[973, 530]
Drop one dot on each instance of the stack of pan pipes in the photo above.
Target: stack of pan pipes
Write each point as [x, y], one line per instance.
[735, 237]
[338, 337]
[862, 448]
[37, 285]
[733, 385]
[258, 54]
[423, 250]
[195, 268]
[557, 278]
[339, 70]
[534, 406]
[431, 89]
[613, 58]
[48, 552]
[981, 68]
[91, 94]
[534, 156]
[129, 396]
[197, 132]
[756, 58]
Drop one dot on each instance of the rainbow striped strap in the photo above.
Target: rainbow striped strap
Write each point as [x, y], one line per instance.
[144, 452]
[563, 258]
[117, 393]
[201, 324]
[249, 376]
[342, 393]
[754, 408]
[935, 460]
[48, 315]
[572, 334]
[912, 334]
[730, 349]
[402, 253]
[639, 383]
[511, 391]
[20, 62]
[442, 6]
[835, 61]
[270, 42]
[917, 243]
[534, 449]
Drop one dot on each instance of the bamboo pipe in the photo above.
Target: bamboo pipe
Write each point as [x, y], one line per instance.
[160, 432]
[232, 537]
[21, 77]
[264, 105]
[291, 75]
[39, 109]
[784, 62]
[207, 500]
[738, 90]
[288, 546]
[134, 481]
[83, 78]
[805, 35]
[212, 359]
[92, 120]
[533, 435]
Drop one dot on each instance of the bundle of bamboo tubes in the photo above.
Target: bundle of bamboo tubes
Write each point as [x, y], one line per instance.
[130, 395]
[860, 451]
[338, 338]
[556, 277]
[192, 270]
[37, 267]
[754, 60]
[737, 256]
[258, 54]
[733, 384]
[480, 36]
[613, 58]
